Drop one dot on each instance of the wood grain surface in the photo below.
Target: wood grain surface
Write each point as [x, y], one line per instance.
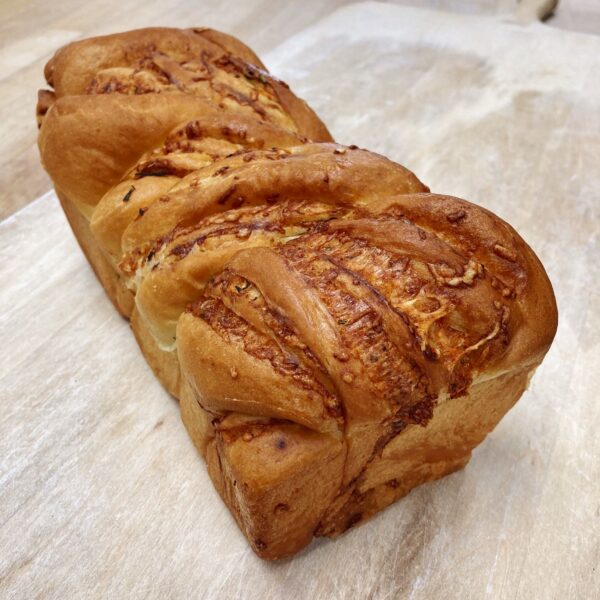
[102, 494]
[31, 30]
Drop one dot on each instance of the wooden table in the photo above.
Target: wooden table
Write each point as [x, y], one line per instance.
[101, 493]
[31, 30]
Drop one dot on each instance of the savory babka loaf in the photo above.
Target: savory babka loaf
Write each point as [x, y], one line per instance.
[335, 333]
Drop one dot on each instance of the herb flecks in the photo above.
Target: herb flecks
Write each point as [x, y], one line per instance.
[127, 196]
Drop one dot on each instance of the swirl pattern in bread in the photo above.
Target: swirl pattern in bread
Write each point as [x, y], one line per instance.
[336, 334]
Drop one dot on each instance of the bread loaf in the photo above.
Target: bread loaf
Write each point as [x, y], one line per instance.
[335, 333]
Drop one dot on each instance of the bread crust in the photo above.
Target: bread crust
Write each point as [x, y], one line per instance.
[71, 69]
[111, 280]
[335, 333]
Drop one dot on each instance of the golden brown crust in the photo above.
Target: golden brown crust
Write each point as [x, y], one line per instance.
[336, 334]
[201, 62]
[277, 479]
[191, 146]
[397, 317]
[88, 143]
[514, 269]
[72, 68]
[186, 249]
[229, 44]
[116, 96]
[328, 172]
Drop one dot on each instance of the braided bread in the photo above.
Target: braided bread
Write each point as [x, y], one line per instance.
[335, 333]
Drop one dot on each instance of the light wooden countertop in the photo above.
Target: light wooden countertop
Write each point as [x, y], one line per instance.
[30, 32]
[102, 494]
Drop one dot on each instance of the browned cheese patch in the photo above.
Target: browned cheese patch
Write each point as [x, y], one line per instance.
[225, 80]
[391, 374]
[235, 330]
[447, 325]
